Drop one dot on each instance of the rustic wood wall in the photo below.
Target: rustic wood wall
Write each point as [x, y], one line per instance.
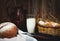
[8, 12]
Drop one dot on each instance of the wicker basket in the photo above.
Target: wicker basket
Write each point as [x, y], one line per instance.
[49, 30]
[55, 31]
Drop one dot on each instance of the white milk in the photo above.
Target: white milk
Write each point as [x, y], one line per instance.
[31, 25]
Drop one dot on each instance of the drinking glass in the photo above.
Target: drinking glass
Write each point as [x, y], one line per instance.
[31, 21]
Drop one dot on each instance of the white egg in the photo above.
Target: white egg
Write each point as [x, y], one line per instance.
[41, 22]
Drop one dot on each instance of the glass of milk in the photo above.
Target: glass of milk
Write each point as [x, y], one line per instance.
[30, 22]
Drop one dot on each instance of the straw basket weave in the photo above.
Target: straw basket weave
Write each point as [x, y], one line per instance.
[55, 31]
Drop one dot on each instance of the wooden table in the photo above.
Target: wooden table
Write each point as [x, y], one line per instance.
[43, 37]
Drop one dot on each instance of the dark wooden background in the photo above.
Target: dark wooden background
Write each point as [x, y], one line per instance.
[8, 10]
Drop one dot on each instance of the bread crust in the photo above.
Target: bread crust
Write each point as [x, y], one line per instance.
[8, 33]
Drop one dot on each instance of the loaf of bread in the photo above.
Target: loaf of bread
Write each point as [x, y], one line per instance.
[8, 30]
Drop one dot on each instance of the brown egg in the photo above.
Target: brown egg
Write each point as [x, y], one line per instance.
[8, 30]
[49, 24]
